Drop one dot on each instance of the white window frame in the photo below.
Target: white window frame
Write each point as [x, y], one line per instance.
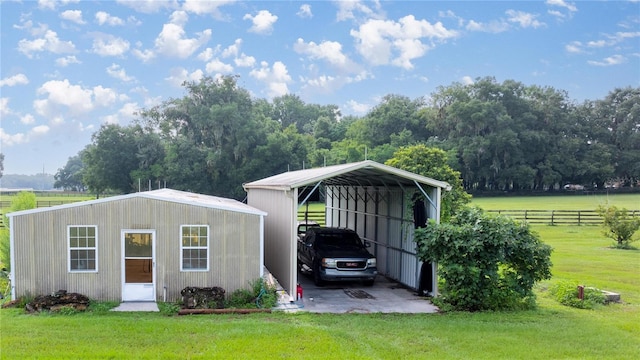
[70, 249]
[207, 248]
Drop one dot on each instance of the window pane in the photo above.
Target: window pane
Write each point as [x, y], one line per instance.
[82, 241]
[194, 259]
[138, 245]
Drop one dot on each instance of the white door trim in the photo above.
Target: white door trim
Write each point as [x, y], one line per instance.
[138, 291]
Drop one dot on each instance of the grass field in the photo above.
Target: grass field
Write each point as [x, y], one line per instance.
[566, 202]
[581, 254]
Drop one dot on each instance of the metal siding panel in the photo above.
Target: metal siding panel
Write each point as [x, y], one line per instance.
[279, 233]
[42, 266]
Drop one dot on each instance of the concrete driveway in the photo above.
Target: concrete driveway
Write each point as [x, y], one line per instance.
[385, 296]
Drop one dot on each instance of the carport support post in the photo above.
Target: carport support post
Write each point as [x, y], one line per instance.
[293, 258]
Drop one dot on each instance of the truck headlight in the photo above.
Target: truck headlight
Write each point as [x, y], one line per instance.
[328, 262]
[372, 262]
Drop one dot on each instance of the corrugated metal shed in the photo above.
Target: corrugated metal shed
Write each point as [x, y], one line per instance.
[369, 197]
[231, 232]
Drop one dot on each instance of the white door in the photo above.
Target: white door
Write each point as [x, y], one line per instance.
[138, 265]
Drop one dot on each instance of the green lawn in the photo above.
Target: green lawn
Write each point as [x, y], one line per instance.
[552, 331]
[565, 202]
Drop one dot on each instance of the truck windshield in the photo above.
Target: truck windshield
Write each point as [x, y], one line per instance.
[343, 239]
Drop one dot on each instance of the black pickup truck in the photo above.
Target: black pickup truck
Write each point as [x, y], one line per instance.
[335, 254]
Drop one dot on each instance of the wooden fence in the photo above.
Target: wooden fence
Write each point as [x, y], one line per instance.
[557, 217]
[542, 217]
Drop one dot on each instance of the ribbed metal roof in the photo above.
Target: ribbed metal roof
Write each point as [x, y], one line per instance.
[364, 173]
[171, 195]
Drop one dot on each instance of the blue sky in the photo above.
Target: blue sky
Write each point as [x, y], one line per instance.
[69, 66]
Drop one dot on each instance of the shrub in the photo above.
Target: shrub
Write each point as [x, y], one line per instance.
[261, 295]
[566, 293]
[25, 200]
[169, 309]
[619, 225]
[486, 262]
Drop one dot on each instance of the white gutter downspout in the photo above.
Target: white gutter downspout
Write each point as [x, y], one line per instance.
[261, 246]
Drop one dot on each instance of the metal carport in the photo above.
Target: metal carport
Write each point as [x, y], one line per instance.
[378, 201]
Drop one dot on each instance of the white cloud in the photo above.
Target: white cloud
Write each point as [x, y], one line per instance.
[493, 27]
[105, 18]
[217, 66]
[4, 107]
[49, 42]
[305, 11]
[207, 54]
[384, 42]
[180, 75]
[347, 10]
[53, 4]
[7, 139]
[201, 7]
[329, 51]
[609, 61]
[245, 61]
[172, 41]
[262, 22]
[27, 119]
[525, 20]
[61, 96]
[561, 3]
[150, 6]
[608, 41]
[12, 139]
[232, 50]
[27, 25]
[67, 60]
[597, 44]
[323, 83]
[240, 59]
[18, 79]
[40, 130]
[126, 113]
[356, 107]
[276, 78]
[574, 47]
[109, 45]
[73, 16]
[144, 55]
[327, 84]
[119, 73]
[570, 8]
[467, 80]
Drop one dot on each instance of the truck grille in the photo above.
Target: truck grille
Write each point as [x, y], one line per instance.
[351, 265]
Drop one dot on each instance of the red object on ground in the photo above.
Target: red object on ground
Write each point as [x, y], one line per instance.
[299, 292]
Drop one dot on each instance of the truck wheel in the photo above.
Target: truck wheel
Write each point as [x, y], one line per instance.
[316, 275]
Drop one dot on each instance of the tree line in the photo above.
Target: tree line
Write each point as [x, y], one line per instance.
[499, 136]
